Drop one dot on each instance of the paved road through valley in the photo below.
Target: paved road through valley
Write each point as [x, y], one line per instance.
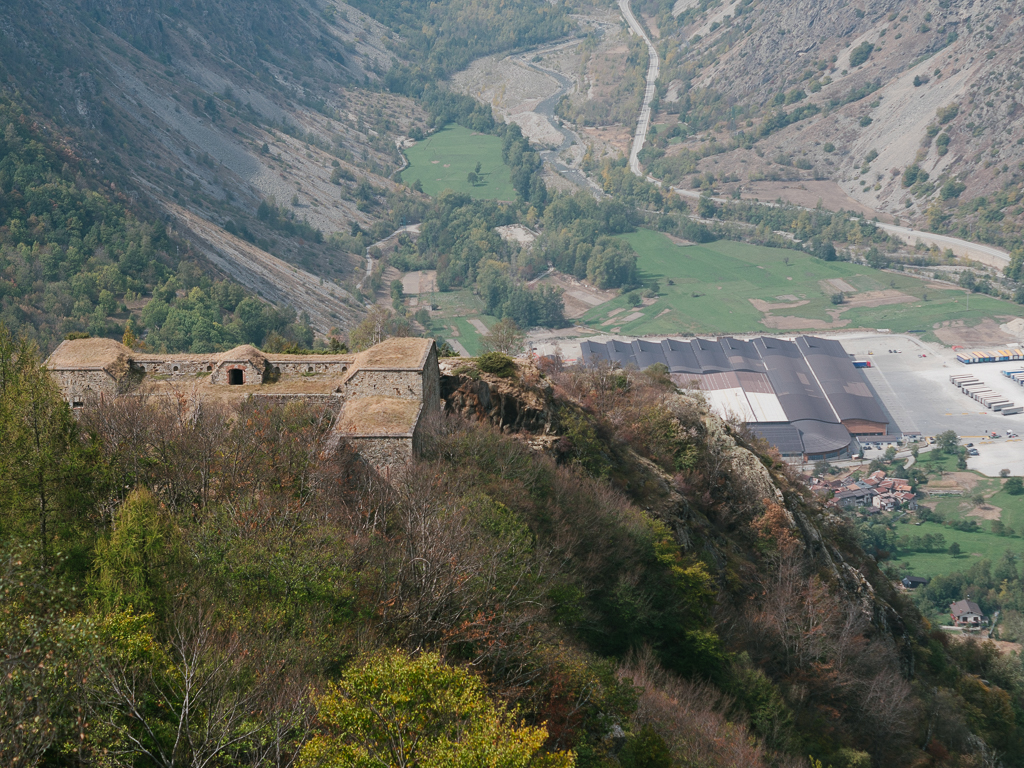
[644, 122]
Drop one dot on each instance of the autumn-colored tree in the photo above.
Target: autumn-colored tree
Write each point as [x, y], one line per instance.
[395, 711]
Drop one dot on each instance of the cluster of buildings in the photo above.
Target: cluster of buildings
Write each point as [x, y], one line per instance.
[805, 396]
[876, 490]
[382, 396]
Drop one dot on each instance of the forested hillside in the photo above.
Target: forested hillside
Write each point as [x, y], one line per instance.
[644, 586]
[255, 144]
[581, 566]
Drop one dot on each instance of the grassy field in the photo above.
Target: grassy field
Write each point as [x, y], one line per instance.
[457, 308]
[1011, 508]
[974, 546]
[445, 159]
[714, 283]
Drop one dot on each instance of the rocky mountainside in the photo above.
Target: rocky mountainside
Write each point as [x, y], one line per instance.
[911, 108]
[202, 112]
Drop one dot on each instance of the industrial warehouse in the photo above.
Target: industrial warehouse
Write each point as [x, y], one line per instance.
[804, 396]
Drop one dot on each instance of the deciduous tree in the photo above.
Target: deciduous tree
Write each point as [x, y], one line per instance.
[390, 710]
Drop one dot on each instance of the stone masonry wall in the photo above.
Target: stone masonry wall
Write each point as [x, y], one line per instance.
[249, 373]
[76, 386]
[384, 451]
[174, 367]
[431, 385]
[311, 366]
[406, 385]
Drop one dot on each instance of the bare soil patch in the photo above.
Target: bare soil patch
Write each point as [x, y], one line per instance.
[808, 194]
[964, 480]
[424, 281]
[763, 306]
[798, 323]
[986, 512]
[879, 298]
[1005, 648]
[579, 298]
[616, 138]
[516, 233]
[678, 240]
[985, 332]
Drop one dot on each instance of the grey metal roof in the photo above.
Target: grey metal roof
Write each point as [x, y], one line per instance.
[785, 437]
[821, 437]
[814, 380]
[793, 381]
[843, 384]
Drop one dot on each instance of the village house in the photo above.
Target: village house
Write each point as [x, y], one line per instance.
[875, 491]
[382, 395]
[913, 582]
[967, 614]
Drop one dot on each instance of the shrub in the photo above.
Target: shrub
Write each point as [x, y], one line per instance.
[1014, 486]
[947, 113]
[496, 363]
[860, 54]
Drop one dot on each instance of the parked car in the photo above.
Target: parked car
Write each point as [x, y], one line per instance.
[973, 452]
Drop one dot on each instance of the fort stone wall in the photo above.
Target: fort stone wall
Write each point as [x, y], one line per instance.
[78, 385]
[384, 451]
[431, 384]
[367, 382]
[156, 367]
[250, 374]
[308, 366]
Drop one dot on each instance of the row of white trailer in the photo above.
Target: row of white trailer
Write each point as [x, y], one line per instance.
[980, 391]
[1016, 376]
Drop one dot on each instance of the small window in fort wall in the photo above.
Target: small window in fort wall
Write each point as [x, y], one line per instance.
[175, 369]
[309, 369]
[209, 368]
[77, 404]
[235, 376]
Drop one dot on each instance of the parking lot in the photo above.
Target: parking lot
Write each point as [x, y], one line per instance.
[913, 384]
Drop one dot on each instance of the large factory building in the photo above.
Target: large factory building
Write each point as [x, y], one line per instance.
[805, 396]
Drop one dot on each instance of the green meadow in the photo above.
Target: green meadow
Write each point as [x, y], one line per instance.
[445, 159]
[973, 547]
[713, 285]
[456, 309]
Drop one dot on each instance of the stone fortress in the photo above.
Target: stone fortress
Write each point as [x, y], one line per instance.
[382, 395]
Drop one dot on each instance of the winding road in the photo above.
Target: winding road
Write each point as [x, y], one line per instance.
[644, 122]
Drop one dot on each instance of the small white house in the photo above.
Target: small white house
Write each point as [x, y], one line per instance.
[966, 613]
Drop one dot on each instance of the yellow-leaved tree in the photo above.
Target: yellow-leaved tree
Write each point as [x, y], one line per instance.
[392, 710]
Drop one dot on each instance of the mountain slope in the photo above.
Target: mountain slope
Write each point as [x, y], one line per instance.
[854, 93]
